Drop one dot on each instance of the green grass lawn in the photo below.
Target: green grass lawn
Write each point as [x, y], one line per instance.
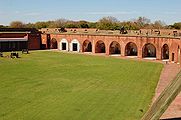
[47, 85]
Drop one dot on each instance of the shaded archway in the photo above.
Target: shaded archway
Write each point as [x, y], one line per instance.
[178, 61]
[75, 46]
[131, 49]
[64, 45]
[87, 46]
[115, 48]
[53, 43]
[149, 50]
[165, 52]
[100, 47]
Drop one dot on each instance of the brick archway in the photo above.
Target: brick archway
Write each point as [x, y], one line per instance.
[165, 51]
[87, 46]
[53, 43]
[149, 50]
[64, 45]
[114, 48]
[131, 49]
[100, 47]
[179, 54]
[75, 46]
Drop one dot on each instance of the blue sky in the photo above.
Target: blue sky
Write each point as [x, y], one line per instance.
[26, 11]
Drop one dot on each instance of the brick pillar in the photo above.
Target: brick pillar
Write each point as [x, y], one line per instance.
[123, 50]
[107, 49]
[140, 48]
[140, 52]
[170, 55]
[58, 44]
[158, 53]
[93, 46]
[81, 47]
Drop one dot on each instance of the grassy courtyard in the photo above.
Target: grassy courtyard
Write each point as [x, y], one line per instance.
[47, 85]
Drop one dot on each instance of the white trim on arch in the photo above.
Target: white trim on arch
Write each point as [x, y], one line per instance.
[64, 41]
[75, 43]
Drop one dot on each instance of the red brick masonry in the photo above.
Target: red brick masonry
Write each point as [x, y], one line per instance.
[174, 44]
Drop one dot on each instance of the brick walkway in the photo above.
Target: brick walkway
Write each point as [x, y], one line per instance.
[169, 72]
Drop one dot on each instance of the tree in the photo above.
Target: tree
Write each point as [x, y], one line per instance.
[2, 26]
[83, 24]
[177, 25]
[17, 24]
[92, 24]
[30, 25]
[108, 23]
[39, 25]
[59, 23]
[105, 23]
[159, 24]
[129, 25]
[71, 24]
[142, 21]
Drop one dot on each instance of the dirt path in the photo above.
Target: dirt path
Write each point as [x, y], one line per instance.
[169, 72]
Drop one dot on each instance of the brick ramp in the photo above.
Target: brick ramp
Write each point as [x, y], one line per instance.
[163, 100]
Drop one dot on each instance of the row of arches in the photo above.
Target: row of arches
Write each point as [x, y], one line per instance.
[149, 50]
[131, 49]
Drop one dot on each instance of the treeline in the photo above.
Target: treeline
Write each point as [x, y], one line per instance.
[106, 23]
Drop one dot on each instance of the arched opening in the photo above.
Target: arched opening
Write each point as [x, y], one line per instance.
[53, 43]
[131, 49]
[75, 46]
[87, 46]
[100, 47]
[178, 55]
[115, 48]
[149, 50]
[165, 52]
[64, 45]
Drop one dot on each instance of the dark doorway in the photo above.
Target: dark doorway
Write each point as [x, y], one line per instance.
[53, 43]
[48, 41]
[87, 46]
[100, 47]
[173, 56]
[131, 49]
[115, 48]
[178, 55]
[64, 46]
[74, 46]
[165, 52]
[149, 50]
